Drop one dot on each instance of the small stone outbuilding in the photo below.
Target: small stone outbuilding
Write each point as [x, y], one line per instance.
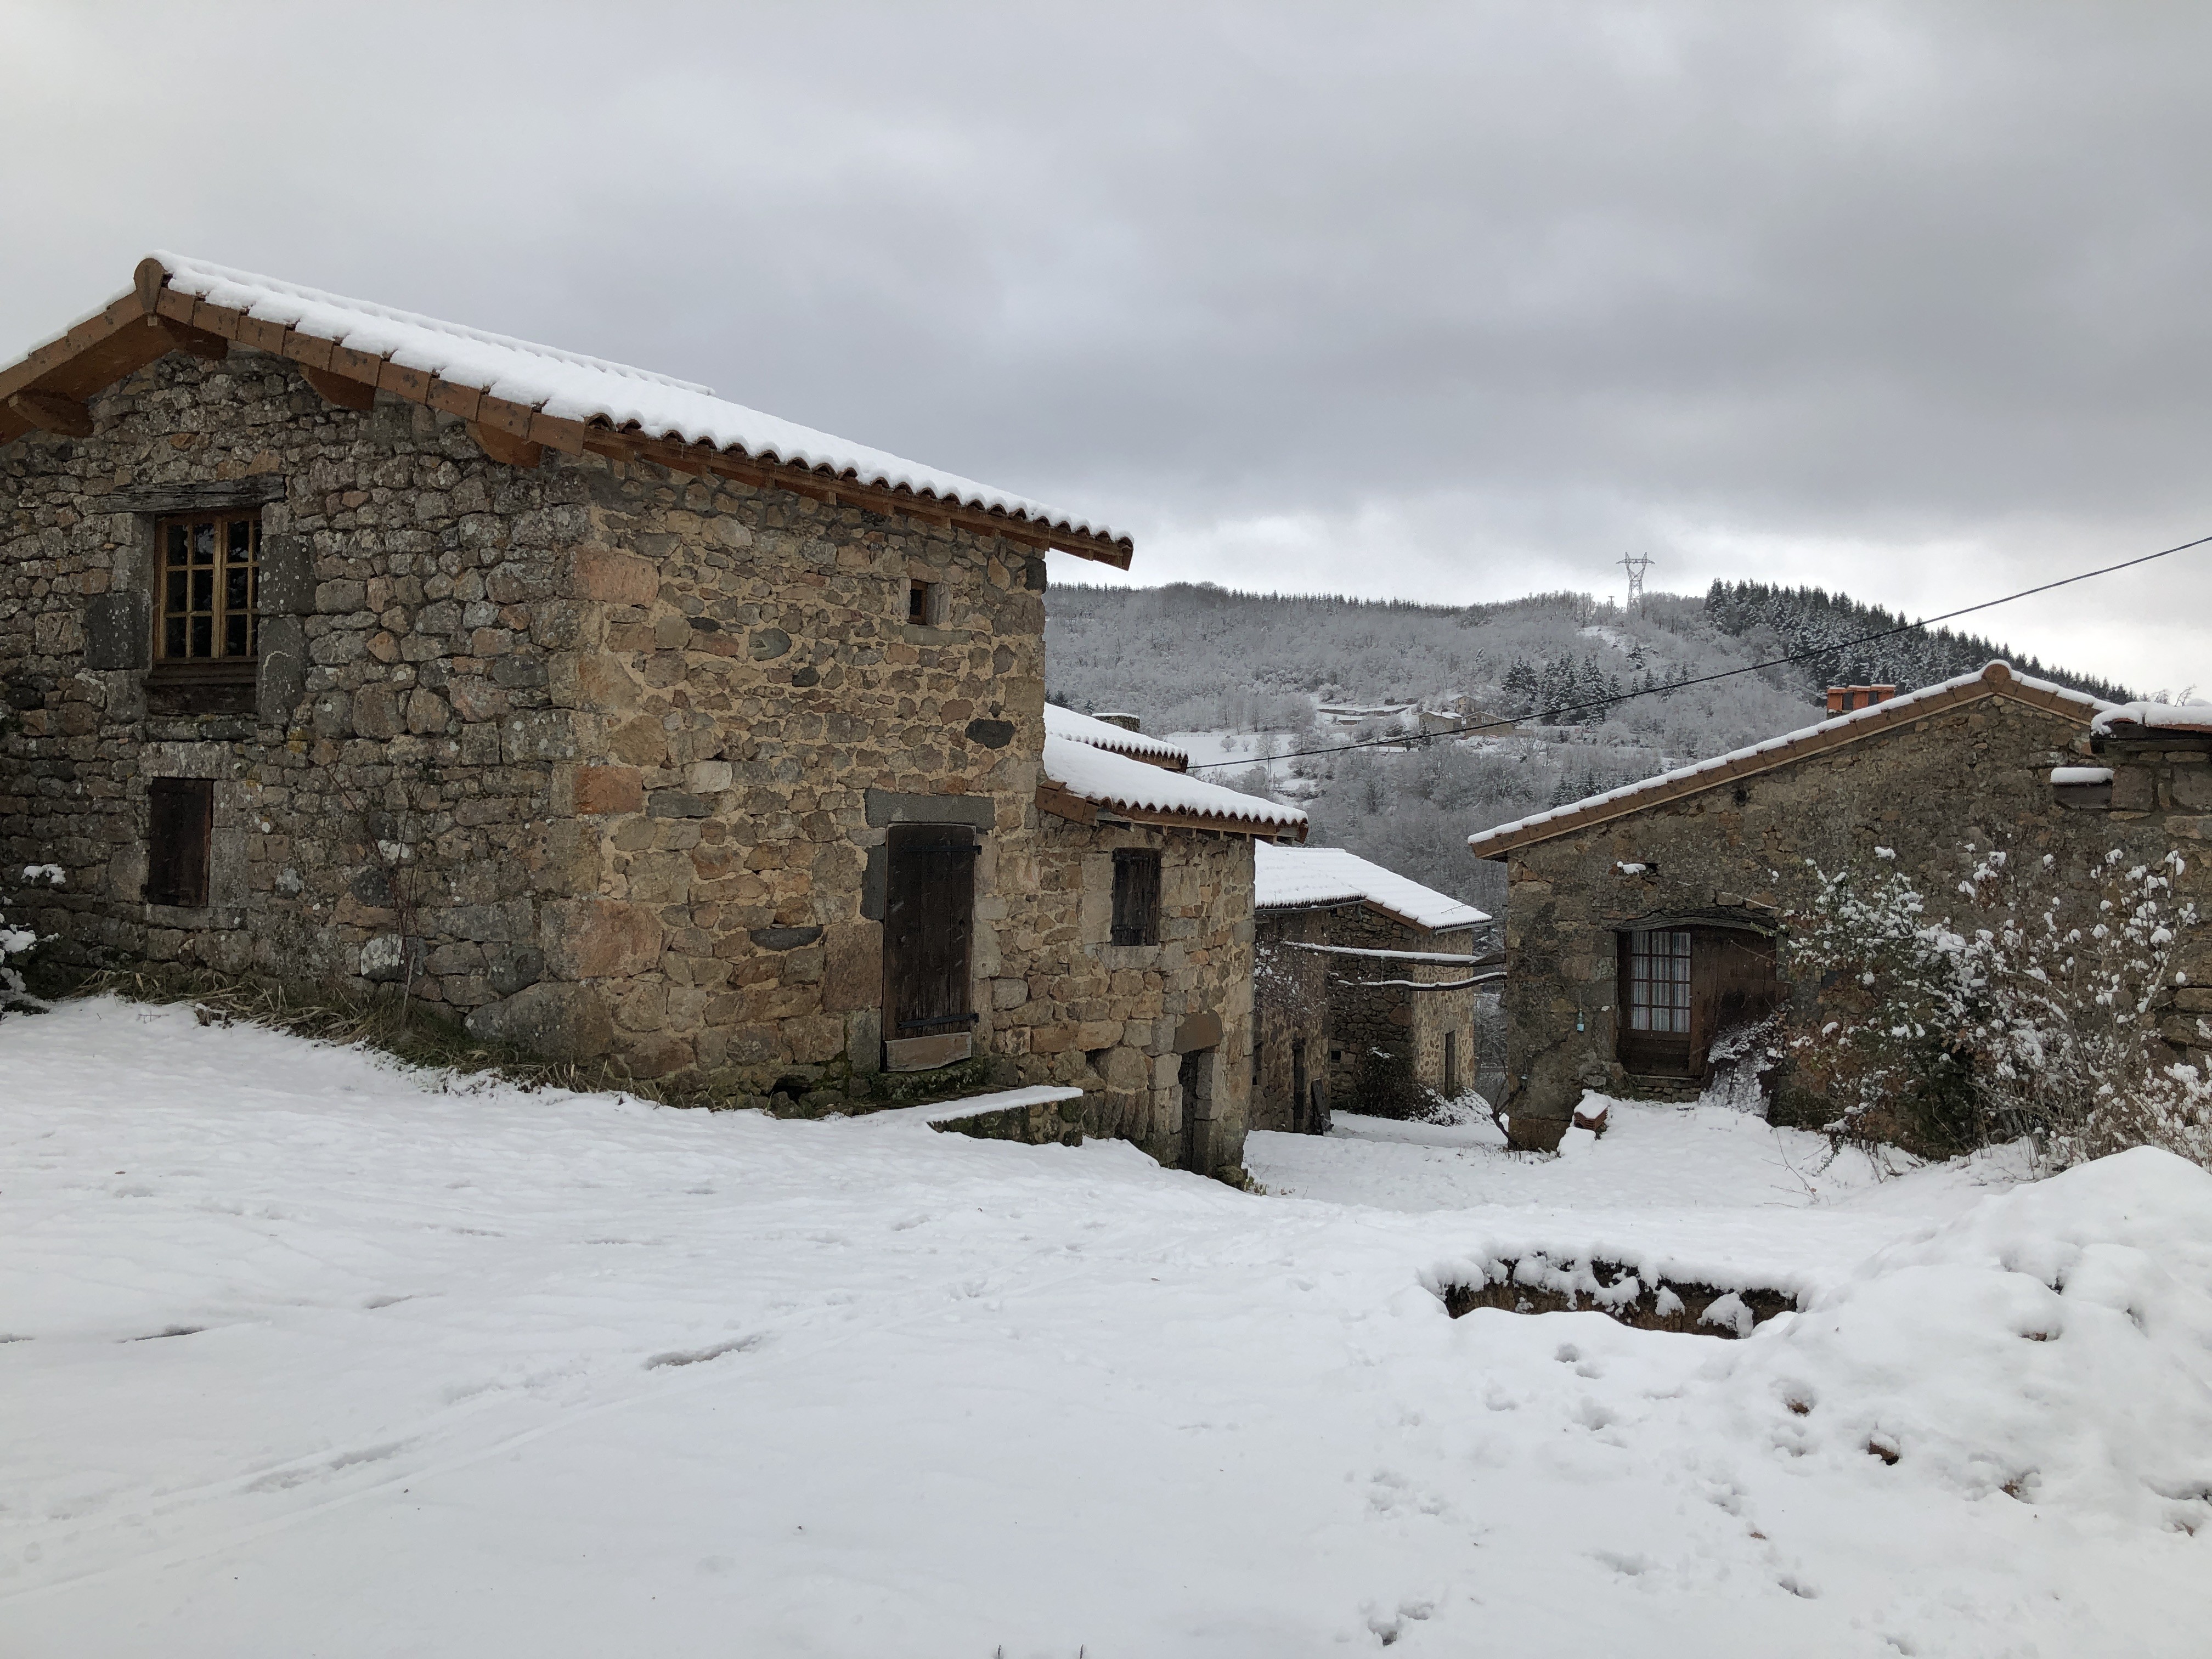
[1367, 983]
[619, 720]
[1643, 924]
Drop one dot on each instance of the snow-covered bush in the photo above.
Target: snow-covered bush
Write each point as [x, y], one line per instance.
[2037, 1015]
[17, 944]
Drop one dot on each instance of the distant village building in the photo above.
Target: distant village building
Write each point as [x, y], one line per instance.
[1365, 993]
[1642, 925]
[622, 721]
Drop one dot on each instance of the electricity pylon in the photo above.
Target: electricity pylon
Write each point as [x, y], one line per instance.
[1636, 564]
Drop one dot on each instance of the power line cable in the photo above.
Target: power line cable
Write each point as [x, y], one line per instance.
[1546, 716]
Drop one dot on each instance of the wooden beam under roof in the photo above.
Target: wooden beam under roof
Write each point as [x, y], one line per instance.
[193, 342]
[49, 412]
[333, 388]
[503, 446]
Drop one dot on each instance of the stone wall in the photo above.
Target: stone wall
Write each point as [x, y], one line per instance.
[1070, 1006]
[1386, 1042]
[754, 711]
[2161, 800]
[1290, 1007]
[1738, 854]
[392, 769]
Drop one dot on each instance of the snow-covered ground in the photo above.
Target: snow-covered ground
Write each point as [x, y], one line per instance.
[312, 1358]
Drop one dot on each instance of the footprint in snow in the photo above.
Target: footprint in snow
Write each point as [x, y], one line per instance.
[698, 1356]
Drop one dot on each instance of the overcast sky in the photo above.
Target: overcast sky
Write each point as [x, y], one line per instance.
[1442, 302]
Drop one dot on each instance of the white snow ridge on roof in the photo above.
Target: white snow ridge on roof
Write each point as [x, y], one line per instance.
[1106, 779]
[1293, 878]
[570, 387]
[2154, 717]
[1102, 734]
[1997, 673]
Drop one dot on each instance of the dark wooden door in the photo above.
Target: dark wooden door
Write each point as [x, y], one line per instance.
[929, 913]
[1195, 1074]
[1732, 983]
[179, 825]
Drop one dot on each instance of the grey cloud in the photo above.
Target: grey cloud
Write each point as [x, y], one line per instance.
[1443, 301]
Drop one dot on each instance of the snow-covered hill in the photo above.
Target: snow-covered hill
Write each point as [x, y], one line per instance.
[307, 1357]
[1237, 674]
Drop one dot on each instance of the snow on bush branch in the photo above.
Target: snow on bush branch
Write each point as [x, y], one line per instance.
[2038, 1015]
[16, 944]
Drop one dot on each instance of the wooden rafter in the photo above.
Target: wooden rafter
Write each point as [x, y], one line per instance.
[90, 357]
[48, 412]
[505, 447]
[194, 342]
[334, 388]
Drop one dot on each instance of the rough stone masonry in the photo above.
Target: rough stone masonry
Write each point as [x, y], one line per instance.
[598, 755]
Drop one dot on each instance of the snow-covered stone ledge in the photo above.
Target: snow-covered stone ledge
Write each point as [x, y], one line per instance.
[1040, 1116]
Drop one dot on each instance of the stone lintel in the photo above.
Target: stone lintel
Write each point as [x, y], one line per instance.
[885, 808]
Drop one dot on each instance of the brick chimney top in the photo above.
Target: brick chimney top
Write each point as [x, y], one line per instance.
[1127, 722]
[1842, 698]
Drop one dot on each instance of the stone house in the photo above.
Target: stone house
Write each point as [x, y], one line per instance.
[1643, 924]
[1366, 989]
[624, 722]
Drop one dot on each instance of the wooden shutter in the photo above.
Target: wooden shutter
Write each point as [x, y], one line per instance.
[929, 920]
[179, 823]
[1136, 897]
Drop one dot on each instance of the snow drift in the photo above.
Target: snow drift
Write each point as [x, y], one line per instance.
[2054, 1344]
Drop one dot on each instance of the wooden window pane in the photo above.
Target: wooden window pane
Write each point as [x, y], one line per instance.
[180, 819]
[1659, 981]
[209, 589]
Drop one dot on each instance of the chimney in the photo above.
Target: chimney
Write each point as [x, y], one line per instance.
[1127, 722]
[1843, 699]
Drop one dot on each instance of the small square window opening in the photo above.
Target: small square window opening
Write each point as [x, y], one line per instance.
[1136, 897]
[922, 604]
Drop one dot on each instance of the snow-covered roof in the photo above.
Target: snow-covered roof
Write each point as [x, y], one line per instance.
[567, 385]
[2130, 718]
[1132, 787]
[1104, 734]
[1298, 878]
[1996, 677]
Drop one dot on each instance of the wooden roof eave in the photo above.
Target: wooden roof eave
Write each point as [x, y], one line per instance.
[1063, 803]
[105, 347]
[1774, 760]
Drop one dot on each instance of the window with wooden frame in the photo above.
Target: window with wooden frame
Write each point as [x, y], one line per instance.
[179, 829]
[207, 591]
[1658, 981]
[1136, 897]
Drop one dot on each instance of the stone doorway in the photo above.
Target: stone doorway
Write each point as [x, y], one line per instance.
[1195, 1078]
[1682, 987]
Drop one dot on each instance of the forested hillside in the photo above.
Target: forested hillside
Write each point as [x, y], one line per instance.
[1256, 675]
